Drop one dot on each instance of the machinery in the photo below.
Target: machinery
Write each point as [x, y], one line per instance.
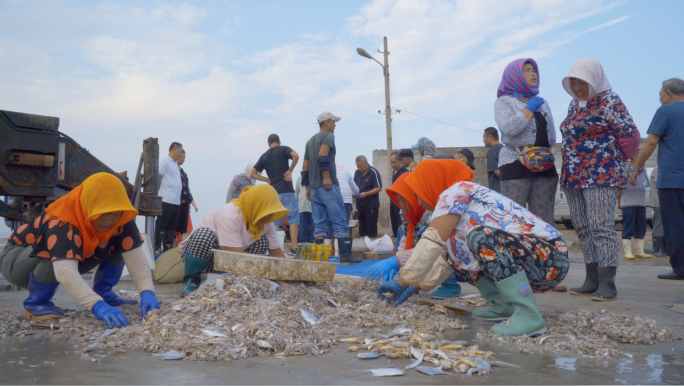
[39, 164]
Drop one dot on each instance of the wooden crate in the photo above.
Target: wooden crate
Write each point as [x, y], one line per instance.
[273, 268]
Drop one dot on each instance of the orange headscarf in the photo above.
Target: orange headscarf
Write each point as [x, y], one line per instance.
[433, 176]
[415, 211]
[99, 194]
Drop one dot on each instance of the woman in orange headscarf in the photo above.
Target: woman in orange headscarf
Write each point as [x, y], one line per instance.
[493, 243]
[92, 226]
[415, 222]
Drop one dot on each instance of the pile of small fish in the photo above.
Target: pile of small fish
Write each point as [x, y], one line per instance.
[12, 322]
[242, 316]
[449, 357]
[594, 333]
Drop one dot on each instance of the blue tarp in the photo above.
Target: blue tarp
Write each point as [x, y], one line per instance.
[353, 269]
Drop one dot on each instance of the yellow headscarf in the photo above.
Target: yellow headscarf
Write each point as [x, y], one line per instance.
[257, 202]
[99, 194]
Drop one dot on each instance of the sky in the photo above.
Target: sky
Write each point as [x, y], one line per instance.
[220, 76]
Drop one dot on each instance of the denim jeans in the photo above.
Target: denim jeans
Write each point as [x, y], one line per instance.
[306, 221]
[289, 201]
[349, 208]
[327, 205]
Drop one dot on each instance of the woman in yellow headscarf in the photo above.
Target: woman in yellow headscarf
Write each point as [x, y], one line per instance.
[92, 226]
[243, 225]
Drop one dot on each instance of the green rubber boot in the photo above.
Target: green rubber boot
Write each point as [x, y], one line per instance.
[526, 319]
[500, 311]
[193, 269]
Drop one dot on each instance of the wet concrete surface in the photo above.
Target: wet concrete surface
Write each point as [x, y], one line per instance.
[639, 293]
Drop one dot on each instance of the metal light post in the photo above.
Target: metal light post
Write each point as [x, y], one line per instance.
[388, 113]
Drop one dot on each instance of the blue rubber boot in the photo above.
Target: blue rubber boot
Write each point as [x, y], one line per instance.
[449, 289]
[39, 304]
[106, 277]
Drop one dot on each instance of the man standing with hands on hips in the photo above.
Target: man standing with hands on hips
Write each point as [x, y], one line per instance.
[319, 176]
[275, 160]
[368, 180]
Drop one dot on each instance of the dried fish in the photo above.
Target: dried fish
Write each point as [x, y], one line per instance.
[525, 351]
[386, 372]
[171, 355]
[264, 344]
[214, 334]
[431, 370]
[309, 317]
[401, 331]
[483, 367]
[504, 364]
[419, 355]
[367, 355]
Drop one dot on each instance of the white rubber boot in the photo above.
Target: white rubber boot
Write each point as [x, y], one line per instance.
[639, 249]
[627, 246]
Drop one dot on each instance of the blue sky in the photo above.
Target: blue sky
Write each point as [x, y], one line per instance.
[221, 76]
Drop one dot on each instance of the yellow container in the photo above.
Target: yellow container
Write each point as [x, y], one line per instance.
[321, 252]
[305, 251]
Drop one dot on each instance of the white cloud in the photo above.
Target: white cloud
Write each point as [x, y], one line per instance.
[117, 74]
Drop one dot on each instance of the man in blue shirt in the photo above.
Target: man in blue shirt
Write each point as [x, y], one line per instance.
[667, 132]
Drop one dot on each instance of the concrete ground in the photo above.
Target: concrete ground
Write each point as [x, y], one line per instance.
[639, 293]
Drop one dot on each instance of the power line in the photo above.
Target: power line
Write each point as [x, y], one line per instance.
[437, 120]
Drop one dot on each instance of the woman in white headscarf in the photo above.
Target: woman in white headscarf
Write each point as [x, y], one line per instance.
[240, 181]
[599, 136]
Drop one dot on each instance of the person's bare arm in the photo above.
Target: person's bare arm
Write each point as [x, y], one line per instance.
[370, 192]
[255, 174]
[305, 167]
[276, 252]
[619, 196]
[327, 182]
[646, 150]
[295, 159]
[497, 173]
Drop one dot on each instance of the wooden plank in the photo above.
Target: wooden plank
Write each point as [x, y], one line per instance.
[273, 268]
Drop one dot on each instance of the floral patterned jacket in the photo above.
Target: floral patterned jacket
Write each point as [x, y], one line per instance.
[592, 156]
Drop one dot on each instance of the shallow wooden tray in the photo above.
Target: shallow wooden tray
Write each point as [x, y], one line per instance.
[273, 268]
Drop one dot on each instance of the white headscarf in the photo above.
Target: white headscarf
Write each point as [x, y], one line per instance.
[248, 171]
[590, 71]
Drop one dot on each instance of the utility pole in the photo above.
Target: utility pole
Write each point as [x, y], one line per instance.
[388, 114]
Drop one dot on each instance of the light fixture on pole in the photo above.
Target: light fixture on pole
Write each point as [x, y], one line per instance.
[388, 112]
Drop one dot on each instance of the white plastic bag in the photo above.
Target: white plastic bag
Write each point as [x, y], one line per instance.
[383, 244]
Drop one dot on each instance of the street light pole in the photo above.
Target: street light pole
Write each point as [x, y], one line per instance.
[388, 114]
[388, 111]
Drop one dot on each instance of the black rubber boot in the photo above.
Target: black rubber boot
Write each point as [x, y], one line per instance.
[346, 257]
[606, 290]
[169, 237]
[591, 282]
[319, 241]
[158, 240]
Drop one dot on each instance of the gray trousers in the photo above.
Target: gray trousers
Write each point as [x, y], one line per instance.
[16, 265]
[536, 194]
[658, 230]
[593, 216]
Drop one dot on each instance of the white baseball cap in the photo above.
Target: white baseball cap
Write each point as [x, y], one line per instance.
[324, 116]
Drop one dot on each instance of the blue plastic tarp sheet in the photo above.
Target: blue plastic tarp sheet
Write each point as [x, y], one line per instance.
[353, 269]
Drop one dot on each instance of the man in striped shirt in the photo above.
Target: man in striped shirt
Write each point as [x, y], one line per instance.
[368, 179]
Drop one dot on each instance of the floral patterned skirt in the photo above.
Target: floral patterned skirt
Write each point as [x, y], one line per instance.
[502, 255]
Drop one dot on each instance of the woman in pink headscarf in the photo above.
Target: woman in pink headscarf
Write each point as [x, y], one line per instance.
[599, 136]
[525, 120]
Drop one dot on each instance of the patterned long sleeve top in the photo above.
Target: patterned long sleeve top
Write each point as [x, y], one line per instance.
[592, 156]
[515, 130]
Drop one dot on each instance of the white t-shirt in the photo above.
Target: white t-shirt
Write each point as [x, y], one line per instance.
[227, 224]
[347, 185]
[171, 184]
[478, 205]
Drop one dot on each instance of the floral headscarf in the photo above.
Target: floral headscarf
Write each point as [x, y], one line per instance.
[514, 83]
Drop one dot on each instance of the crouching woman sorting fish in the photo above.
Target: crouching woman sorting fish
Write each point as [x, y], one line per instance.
[245, 224]
[92, 226]
[493, 243]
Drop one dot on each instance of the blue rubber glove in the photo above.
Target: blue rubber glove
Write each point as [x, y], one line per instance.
[383, 269]
[390, 286]
[111, 315]
[534, 104]
[148, 302]
[407, 294]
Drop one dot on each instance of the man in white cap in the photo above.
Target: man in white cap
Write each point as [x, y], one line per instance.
[319, 176]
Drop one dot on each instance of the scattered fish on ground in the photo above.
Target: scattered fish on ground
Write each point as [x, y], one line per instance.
[171, 355]
[387, 372]
[431, 370]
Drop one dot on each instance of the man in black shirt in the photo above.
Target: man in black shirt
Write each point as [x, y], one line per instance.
[491, 140]
[398, 169]
[367, 178]
[275, 160]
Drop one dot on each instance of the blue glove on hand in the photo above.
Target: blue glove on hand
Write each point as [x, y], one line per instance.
[534, 104]
[407, 294]
[385, 269]
[148, 302]
[111, 315]
[390, 286]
